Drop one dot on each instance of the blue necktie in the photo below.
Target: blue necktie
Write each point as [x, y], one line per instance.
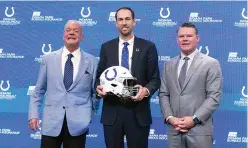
[124, 57]
[68, 72]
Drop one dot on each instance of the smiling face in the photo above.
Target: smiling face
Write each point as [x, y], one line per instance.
[73, 35]
[187, 39]
[125, 23]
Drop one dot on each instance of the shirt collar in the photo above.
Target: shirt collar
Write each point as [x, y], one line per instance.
[76, 53]
[191, 56]
[121, 41]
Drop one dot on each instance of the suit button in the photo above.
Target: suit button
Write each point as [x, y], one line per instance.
[63, 107]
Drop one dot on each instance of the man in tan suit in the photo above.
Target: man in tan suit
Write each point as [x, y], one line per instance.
[190, 92]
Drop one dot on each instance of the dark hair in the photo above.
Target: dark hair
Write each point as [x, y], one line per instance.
[189, 25]
[125, 8]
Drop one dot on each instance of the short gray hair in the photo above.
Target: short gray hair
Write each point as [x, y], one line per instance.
[74, 21]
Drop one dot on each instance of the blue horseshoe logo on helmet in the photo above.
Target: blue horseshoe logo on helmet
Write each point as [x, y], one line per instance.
[110, 79]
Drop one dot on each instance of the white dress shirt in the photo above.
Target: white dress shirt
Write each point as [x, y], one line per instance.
[130, 54]
[75, 60]
[181, 62]
[130, 51]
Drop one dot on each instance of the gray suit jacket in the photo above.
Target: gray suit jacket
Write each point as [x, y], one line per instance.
[78, 101]
[200, 94]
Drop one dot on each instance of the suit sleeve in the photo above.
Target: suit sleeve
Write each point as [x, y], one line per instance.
[164, 96]
[95, 101]
[213, 91]
[36, 98]
[101, 66]
[153, 70]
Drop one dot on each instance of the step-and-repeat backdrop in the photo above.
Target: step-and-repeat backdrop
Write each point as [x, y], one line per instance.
[29, 30]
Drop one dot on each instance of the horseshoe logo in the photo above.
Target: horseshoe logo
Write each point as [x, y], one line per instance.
[1, 86]
[110, 79]
[206, 47]
[243, 14]
[243, 92]
[6, 12]
[87, 15]
[43, 49]
[165, 16]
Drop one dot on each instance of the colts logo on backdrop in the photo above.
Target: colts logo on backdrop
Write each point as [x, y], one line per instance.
[5, 88]
[165, 16]
[207, 50]
[243, 92]
[43, 49]
[243, 14]
[85, 15]
[11, 13]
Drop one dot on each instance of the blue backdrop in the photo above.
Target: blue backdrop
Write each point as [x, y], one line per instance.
[31, 29]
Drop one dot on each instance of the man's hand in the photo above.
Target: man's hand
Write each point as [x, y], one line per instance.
[141, 94]
[100, 92]
[175, 123]
[186, 122]
[34, 124]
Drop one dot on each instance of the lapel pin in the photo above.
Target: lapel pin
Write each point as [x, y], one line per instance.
[137, 49]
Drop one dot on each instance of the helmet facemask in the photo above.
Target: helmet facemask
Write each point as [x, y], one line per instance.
[129, 89]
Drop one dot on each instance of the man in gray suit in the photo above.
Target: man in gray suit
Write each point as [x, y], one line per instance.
[66, 80]
[190, 92]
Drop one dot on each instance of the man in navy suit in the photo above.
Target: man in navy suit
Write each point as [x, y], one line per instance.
[131, 117]
[66, 79]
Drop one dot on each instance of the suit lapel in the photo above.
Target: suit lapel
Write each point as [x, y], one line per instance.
[58, 66]
[175, 71]
[115, 53]
[83, 65]
[135, 56]
[193, 67]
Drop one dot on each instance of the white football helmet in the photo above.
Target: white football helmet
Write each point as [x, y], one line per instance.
[118, 80]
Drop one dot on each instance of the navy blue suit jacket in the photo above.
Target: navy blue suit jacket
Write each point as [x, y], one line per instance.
[144, 67]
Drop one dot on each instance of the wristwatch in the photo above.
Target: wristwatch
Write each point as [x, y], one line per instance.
[195, 119]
